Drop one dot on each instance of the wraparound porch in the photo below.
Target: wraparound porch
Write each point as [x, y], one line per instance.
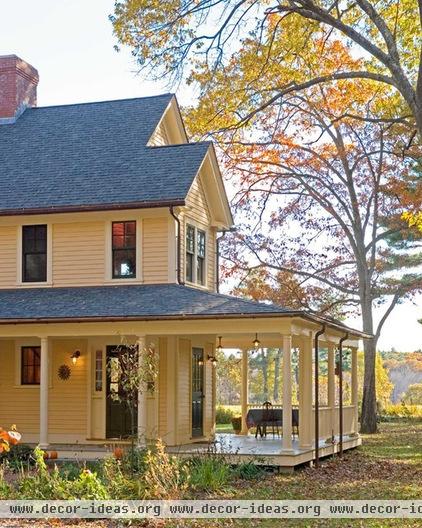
[58, 412]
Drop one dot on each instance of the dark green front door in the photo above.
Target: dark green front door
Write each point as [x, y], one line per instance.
[118, 419]
[197, 391]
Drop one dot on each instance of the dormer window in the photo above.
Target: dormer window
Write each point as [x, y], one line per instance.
[195, 255]
[124, 249]
[34, 253]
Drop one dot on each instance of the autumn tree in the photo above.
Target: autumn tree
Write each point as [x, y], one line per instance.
[205, 36]
[228, 378]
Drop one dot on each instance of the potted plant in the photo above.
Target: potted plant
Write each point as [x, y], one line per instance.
[237, 424]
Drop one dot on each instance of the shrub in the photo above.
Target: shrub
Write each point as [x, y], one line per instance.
[248, 471]
[134, 459]
[6, 491]
[54, 485]
[402, 410]
[87, 487]
[119, 485]
[224, 415]
[237, 424]
[166, 476]
[413, 394]
[20, 455]
[209, 473]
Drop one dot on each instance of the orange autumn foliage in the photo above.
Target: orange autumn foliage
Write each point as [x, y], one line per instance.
[9, 438]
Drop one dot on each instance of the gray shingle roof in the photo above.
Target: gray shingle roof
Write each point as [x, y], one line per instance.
[137, 302]
[133, 301]
[92, 154]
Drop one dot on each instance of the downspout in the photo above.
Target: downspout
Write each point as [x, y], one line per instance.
[316, 387]
[178, 247]
[340, 389]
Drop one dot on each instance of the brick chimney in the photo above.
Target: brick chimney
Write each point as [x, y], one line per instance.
[18, 87]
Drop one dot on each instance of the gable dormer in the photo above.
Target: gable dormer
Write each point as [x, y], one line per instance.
[170, 130]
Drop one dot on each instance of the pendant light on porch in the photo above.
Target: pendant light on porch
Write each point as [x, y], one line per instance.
[219, 348]
[256, 342]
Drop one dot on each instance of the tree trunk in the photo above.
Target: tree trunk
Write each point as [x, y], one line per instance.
[369, 402]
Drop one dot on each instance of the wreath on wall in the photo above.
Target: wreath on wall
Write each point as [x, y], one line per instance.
[64, 372]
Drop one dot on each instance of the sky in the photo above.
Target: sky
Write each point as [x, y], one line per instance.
[71, 44]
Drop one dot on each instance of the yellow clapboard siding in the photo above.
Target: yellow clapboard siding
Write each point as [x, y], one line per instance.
[160, 136]
[8, 255]
[155, 250]
[197, 203]
[67, 401]
[78, 253]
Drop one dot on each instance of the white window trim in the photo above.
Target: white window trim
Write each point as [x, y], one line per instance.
[201, 227]
[19, 236]
[109, 253]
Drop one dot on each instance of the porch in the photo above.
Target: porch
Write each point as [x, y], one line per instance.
[66, 402]
[235, 449]
[267, 451]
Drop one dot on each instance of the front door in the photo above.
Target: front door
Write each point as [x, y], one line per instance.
[118, 419]
[197, 391]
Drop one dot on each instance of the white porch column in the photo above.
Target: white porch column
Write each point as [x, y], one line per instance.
[305, 392]
[244, 397]
[331, 386]
[355, 390]
[287, 393]
[142, 397]
[44, 393]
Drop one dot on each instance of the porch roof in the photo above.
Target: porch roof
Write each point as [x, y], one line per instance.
[137, 303]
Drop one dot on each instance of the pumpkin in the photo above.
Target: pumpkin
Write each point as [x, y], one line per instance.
[14, 436]
[53, 455]
[45, 455]
[118, 453]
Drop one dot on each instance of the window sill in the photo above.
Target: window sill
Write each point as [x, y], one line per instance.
[123, 281]
[44, 284]
[196, 285]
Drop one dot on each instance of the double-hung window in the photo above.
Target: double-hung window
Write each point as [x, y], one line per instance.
[195, 255]
[124, 250]
[34, 253]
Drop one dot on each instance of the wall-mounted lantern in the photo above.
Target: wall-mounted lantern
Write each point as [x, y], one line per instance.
[75, 356]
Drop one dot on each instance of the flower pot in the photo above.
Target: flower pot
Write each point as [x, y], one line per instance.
[237, 424]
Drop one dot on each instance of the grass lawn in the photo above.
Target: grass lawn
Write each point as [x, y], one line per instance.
[224, 428]
[387, 466]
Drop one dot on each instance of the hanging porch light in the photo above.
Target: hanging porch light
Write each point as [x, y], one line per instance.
[256, 342]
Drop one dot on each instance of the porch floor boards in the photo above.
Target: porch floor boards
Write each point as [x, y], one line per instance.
[236, 449]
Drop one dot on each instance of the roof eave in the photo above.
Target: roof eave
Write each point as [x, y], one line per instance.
[190, 317]
[93, 207]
